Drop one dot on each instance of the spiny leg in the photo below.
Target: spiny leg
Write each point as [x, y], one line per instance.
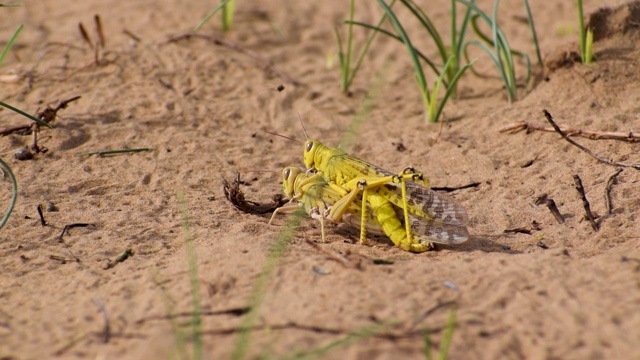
[363, 214]
[405, 210]
[283, 209]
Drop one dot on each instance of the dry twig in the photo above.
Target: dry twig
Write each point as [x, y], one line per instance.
[42, 221]
[589, 134]
[454, 188]
[585, 202]
[571, 141]
[554, 210]
[67, 227]
[233, 193]
[607, 190]
[48, 115]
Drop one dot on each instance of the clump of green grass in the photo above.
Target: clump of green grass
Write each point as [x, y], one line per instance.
[348, 71]
[448, 74]
[451, 56]
[586, 38]
[497, 47]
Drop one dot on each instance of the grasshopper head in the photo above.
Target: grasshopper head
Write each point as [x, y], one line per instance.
[289, 176]
[319, 156]
[310, 150]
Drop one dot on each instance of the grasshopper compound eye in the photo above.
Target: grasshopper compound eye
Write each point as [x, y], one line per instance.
[286, 173]
[308, 146]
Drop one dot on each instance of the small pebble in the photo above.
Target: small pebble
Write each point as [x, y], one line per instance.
[23, 154]
[320, 271]
[451, 285]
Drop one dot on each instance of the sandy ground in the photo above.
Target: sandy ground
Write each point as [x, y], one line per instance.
[549, 291]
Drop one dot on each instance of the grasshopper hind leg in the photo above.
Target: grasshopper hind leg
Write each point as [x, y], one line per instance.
[393, 227]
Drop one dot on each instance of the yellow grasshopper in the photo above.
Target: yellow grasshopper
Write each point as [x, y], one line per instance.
[433, 217]
[323, 200]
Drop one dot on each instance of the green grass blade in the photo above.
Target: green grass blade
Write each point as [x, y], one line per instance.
[489, 53]
[533, 33]
[344, 55]
[433, 101]
[243, 339]
[227, 14]
[488, 40]
[583, 36]
[192, 260]
[501, 53]
[40, 122]
[426, 337]
[422, 82]
[344, 67]
[450, 90]
[428, 25]
[504, 53]
[463, 31]
[588, 49]
[367, 45]
[454, 33]
[458, 43]
[349, 42]
[14, 192]
[398, 38]
[210, 14]
[10, 43]
[448, 335]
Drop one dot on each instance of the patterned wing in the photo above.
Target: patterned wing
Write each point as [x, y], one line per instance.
[426, 203]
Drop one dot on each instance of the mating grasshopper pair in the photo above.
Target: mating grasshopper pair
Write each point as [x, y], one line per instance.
[345, 188]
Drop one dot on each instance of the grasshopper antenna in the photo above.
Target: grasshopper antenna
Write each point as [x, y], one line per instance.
[283, 136]
[303, 129]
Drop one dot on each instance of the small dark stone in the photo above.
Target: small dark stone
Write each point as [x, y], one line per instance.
[51, 207]
[23, 154]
